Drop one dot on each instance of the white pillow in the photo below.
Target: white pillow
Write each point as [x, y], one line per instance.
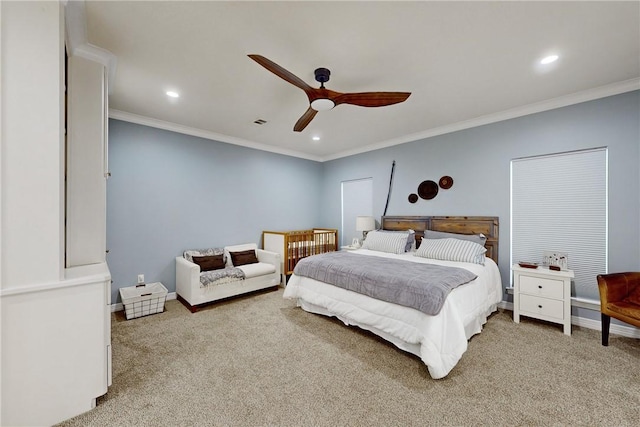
[452, 250]
[411, 238]
[237, 248]
[381, 241]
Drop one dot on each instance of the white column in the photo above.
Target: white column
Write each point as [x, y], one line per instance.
[32, 174]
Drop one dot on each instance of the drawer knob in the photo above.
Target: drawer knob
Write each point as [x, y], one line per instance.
[539, 286]
[539, 306]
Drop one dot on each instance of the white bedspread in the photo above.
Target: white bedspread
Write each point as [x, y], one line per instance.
[440, 341]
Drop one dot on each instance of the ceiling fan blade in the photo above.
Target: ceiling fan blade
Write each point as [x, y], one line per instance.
[371, 99]
[305, 119]
[281, 72]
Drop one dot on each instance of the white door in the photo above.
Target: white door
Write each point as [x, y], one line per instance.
[357, 200]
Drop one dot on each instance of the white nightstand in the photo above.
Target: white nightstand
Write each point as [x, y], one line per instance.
[543, 294]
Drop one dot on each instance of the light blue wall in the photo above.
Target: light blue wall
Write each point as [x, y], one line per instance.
[478, 159]
[169, 192]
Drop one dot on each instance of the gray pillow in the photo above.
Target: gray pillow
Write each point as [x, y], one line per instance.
[480, 239]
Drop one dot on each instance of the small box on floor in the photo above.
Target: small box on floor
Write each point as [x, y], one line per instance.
[143, 300]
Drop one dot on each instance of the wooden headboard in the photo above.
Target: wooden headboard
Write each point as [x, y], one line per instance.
[487, 225]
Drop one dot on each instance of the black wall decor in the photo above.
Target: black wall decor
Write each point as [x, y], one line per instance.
[428, 189]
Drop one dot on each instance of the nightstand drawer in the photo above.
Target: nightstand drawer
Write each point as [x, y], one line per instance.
[543, 306]
[548, 288]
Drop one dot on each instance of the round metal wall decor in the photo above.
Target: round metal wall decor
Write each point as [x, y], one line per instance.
[446, 182]
[413, 197]
[428, 189]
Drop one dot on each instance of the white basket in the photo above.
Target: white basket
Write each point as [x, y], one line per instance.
[143, 300]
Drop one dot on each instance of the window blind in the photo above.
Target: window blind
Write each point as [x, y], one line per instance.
[559, 203]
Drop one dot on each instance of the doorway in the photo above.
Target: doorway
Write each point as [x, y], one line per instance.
[357, 200]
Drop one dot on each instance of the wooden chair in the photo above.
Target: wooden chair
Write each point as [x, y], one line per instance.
[619, 298]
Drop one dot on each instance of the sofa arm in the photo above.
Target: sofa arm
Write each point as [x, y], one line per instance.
[270, 258]
[617, 286]
[187, 273]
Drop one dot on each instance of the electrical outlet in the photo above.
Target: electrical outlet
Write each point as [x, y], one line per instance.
[140, 278]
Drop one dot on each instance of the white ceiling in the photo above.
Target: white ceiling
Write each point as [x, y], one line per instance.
[466, 63]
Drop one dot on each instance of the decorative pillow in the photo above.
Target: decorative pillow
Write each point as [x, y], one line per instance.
[189, 254]
[480, 239]
[243, 257]
[452, 250]
[394, 242]
[237, 248]
[634, 297]
[208, 263]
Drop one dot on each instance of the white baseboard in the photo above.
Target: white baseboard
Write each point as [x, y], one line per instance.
[625, 331]
[120, 307]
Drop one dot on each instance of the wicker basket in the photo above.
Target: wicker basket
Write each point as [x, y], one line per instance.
[143, 300]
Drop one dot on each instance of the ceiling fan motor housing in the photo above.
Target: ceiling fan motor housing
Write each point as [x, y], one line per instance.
[322, 75]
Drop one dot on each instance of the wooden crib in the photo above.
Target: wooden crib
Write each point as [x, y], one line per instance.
[295, 245]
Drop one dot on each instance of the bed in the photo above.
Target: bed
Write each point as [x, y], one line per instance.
[439, 339]
[295, 245]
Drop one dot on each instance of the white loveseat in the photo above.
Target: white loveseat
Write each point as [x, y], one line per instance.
[194, 288]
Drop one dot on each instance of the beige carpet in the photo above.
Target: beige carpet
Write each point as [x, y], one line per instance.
[261, 361]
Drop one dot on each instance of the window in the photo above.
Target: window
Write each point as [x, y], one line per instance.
[559, 203]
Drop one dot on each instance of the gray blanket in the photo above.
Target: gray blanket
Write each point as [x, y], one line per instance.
[421, 286]
[221, 276]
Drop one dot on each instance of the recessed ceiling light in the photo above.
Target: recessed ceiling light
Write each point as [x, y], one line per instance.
[173, 94]
[316, 138]
[549, 59]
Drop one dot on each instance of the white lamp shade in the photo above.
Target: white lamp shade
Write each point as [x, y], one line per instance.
[365, 223]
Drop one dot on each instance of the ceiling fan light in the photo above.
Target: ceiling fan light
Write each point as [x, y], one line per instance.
[322, 104]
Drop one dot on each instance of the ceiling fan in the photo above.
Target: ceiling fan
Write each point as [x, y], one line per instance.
[322, 99]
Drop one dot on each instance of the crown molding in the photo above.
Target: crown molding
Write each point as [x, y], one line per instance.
[550, 104]
[173, 127]
[538, 107]
[77, 43]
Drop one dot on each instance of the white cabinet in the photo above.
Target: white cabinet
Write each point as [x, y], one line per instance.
[55, 326]
[542, 294]
[86, 165]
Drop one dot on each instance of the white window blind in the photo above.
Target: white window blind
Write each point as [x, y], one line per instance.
[559, 203]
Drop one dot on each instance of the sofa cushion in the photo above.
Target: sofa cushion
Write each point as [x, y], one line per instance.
[211, 262]
[243, 257]
[259, 269]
